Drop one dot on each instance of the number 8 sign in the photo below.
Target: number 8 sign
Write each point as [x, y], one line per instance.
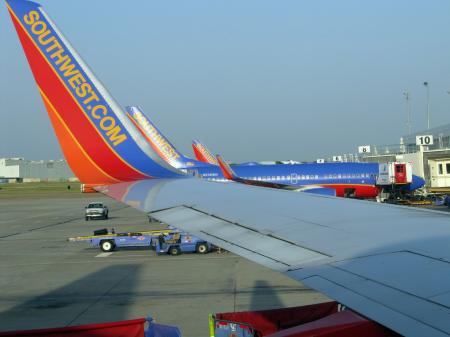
[364, 149]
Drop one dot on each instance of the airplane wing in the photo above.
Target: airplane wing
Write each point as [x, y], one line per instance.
[386, 262]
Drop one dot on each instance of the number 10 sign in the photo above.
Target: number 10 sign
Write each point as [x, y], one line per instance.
[424, 140]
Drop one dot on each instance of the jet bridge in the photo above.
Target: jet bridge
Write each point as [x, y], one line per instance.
[394, 173]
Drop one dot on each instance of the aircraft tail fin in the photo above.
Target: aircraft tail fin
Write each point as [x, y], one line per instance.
[226, 169]
[100, 143]
[203, 154]
[157, 140]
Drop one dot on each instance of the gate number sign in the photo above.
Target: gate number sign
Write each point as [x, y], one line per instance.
[424, 140]
[364, 149]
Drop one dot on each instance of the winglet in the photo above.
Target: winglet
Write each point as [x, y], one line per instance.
[227, 171]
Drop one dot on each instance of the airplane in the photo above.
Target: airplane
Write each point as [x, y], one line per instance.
[175, 158]
[334, 174]
[388, 263]
[356, 180]
[230, 175]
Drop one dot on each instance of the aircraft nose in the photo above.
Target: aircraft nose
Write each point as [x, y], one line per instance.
[417, 182]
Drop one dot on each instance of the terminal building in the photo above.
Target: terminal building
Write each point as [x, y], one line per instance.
[430, 160]
[22, 170]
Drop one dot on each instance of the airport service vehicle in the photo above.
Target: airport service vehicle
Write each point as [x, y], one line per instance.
[108, 241]
[351, 180]
[387, 263]
[178, 243]
[96, 210]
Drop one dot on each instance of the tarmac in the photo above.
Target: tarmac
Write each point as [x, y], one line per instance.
[47, 281]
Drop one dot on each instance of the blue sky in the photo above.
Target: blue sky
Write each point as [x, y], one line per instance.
[254, 80]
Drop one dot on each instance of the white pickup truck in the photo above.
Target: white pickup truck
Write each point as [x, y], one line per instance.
[96, 210]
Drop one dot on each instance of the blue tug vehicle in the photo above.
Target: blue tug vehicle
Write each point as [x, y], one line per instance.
[169, 241]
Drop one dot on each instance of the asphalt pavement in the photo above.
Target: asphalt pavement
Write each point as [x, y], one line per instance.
[47, 281]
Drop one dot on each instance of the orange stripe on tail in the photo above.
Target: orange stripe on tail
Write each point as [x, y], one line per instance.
[80, 163]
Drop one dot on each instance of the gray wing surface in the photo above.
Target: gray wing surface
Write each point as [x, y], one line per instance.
[386, 262]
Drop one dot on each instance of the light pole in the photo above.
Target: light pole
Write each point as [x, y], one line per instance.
[448, 92]
[408, 110]
[428, 103]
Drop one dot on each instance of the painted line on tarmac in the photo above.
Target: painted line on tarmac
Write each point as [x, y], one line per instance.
[41, 227]
[103, 255]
